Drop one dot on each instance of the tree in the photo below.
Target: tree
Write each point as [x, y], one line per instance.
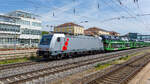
[44, 32]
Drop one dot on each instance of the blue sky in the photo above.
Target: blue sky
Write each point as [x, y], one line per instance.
[106, 16]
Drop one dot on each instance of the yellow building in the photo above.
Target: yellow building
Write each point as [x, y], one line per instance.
[69, 28]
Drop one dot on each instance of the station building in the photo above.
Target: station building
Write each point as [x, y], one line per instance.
[19, 27]
[138, 37]
[145, 38]
[69, 28]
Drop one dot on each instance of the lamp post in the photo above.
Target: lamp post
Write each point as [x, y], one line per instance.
[51, 27]
[14, 20]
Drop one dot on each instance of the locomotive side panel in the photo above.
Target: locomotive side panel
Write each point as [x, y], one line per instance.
[84, 43]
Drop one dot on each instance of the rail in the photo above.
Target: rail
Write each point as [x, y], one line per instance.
[106, 75]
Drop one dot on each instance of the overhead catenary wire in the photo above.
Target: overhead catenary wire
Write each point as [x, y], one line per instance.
[124, 10]
[129, 13]
[111, 8]
[53, 13]
[113, 18]
[74, 10]
[116, 18]
[136, 2]
[101, 12]
[119, 2]
[98, 5]
[141, 14]
[126, 17]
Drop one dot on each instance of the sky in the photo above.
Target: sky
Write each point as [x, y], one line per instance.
[122, 16]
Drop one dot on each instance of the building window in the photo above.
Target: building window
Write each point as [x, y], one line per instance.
[9, 28]
[31, 31]
[36, 24]
[23, 22]
[70, 31]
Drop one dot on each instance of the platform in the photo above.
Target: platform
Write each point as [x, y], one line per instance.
[143, 77]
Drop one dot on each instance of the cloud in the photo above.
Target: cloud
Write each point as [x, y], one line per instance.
[58, 11]
[88, 11]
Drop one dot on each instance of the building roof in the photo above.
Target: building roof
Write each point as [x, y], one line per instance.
[88, 33]
[114, 32]
[23, 14]
[96, 29]
[69, 24]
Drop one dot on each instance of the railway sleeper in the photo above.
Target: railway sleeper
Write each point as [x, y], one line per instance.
[111, 78]
[103, 82]
[7, 81]
[114, 78]
[117, 74]
[94, 82]
[120, 74]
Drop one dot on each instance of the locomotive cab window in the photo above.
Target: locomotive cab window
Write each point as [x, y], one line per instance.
[46, 39]
[58, 39]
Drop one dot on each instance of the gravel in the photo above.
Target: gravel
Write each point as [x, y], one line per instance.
[24, 69]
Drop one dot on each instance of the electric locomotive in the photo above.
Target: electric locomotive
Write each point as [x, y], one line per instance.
[60, 45]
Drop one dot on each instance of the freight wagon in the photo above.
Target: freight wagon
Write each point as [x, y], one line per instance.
[113, 43]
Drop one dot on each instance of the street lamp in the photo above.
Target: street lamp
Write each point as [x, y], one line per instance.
[14, 20]
[51, 27]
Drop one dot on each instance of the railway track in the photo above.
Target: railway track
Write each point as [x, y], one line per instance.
[122, 73]
[8, 66]
[35, 74]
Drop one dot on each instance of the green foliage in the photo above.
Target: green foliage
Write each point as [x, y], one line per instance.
[124, 58]
[117, 61]
[45, 32]
[102, 66]
[18, 60]
[32, 58]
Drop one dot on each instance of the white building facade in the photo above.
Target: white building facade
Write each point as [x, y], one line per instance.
[19, 27]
